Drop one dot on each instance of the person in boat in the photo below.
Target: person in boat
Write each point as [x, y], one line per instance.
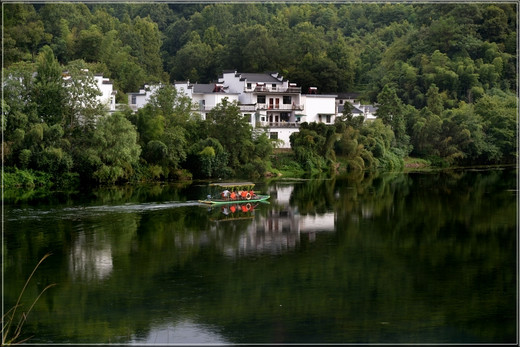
[225, 194]
[233, 195]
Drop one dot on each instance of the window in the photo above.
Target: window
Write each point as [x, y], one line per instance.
[260, 99]
[284, 117]
[249, 86]
[134, 101]
[249, 116]
[286, 100]
[274, 86]
[273, 135]
[328, 118]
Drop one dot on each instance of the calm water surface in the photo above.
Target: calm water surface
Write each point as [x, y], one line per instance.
[405, 258]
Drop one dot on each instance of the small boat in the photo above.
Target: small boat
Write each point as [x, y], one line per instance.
[233, 193]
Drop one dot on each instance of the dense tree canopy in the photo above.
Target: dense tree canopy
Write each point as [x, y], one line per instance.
[443, 75]
[336, 46]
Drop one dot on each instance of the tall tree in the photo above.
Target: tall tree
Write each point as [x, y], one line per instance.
[391, 112]
[233, 131]
[144, 37]
[114, 142]
[499, 111]
[434, 100]
[49, 91]
[82, 106]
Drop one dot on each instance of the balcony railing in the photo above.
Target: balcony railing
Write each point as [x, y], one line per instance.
[279, 124]
[265, 89]
[280, 107]
[247, 108]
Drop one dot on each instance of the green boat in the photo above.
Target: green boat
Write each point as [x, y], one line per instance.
[234, 193]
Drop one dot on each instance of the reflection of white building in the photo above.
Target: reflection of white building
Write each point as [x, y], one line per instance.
[183, 332]
[274, 231]
[87, 261]
[282, 227]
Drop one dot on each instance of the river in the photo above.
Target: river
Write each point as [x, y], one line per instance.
[425, 257]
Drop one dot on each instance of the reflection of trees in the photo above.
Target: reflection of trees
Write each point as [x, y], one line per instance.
[411, 255]
[452, 232]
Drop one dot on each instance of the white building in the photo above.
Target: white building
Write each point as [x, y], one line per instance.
[367, 111]
[319, 108]
[279, 105]
[267, 100]
[272, 98]
[108, 94]
[206, 96]
[358, 109]
[141, 98]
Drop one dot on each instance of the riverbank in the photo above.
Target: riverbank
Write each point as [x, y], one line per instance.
[283, 164]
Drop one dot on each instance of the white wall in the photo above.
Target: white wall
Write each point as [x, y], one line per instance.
[284, 135]
[106, 87]
[318, 104]
[236, 86]
[182, 88]
[143, 97]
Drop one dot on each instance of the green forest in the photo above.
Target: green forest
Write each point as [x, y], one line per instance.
[444, 77]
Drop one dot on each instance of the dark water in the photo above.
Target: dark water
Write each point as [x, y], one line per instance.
[395, 258]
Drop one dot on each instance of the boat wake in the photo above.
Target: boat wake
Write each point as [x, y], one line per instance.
[75, 212]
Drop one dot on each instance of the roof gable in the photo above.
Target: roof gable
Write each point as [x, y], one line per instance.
[259, 77]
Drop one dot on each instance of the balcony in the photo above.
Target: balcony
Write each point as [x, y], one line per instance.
[265, 89]
[248, 108]
[279, 124]
[280, 107]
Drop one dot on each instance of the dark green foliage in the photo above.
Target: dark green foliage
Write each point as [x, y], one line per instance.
[313, 146]
[49, 92]
[335, 47]
[226, 124]
[444, 77]
[207, 159]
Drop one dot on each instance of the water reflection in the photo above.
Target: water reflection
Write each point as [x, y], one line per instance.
[90, 259]
[277, 229]
[185, 332]
[391, 258]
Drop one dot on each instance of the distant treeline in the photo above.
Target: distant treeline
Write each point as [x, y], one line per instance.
[444, 76]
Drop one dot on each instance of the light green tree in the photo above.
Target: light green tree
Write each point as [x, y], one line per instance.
[49, 90]
[114, 142]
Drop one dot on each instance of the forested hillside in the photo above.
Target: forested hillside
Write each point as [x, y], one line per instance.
[445, 76]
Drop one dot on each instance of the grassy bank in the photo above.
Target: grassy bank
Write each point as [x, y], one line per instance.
[416, 164]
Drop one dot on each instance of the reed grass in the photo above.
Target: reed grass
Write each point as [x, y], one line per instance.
[11, 332]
